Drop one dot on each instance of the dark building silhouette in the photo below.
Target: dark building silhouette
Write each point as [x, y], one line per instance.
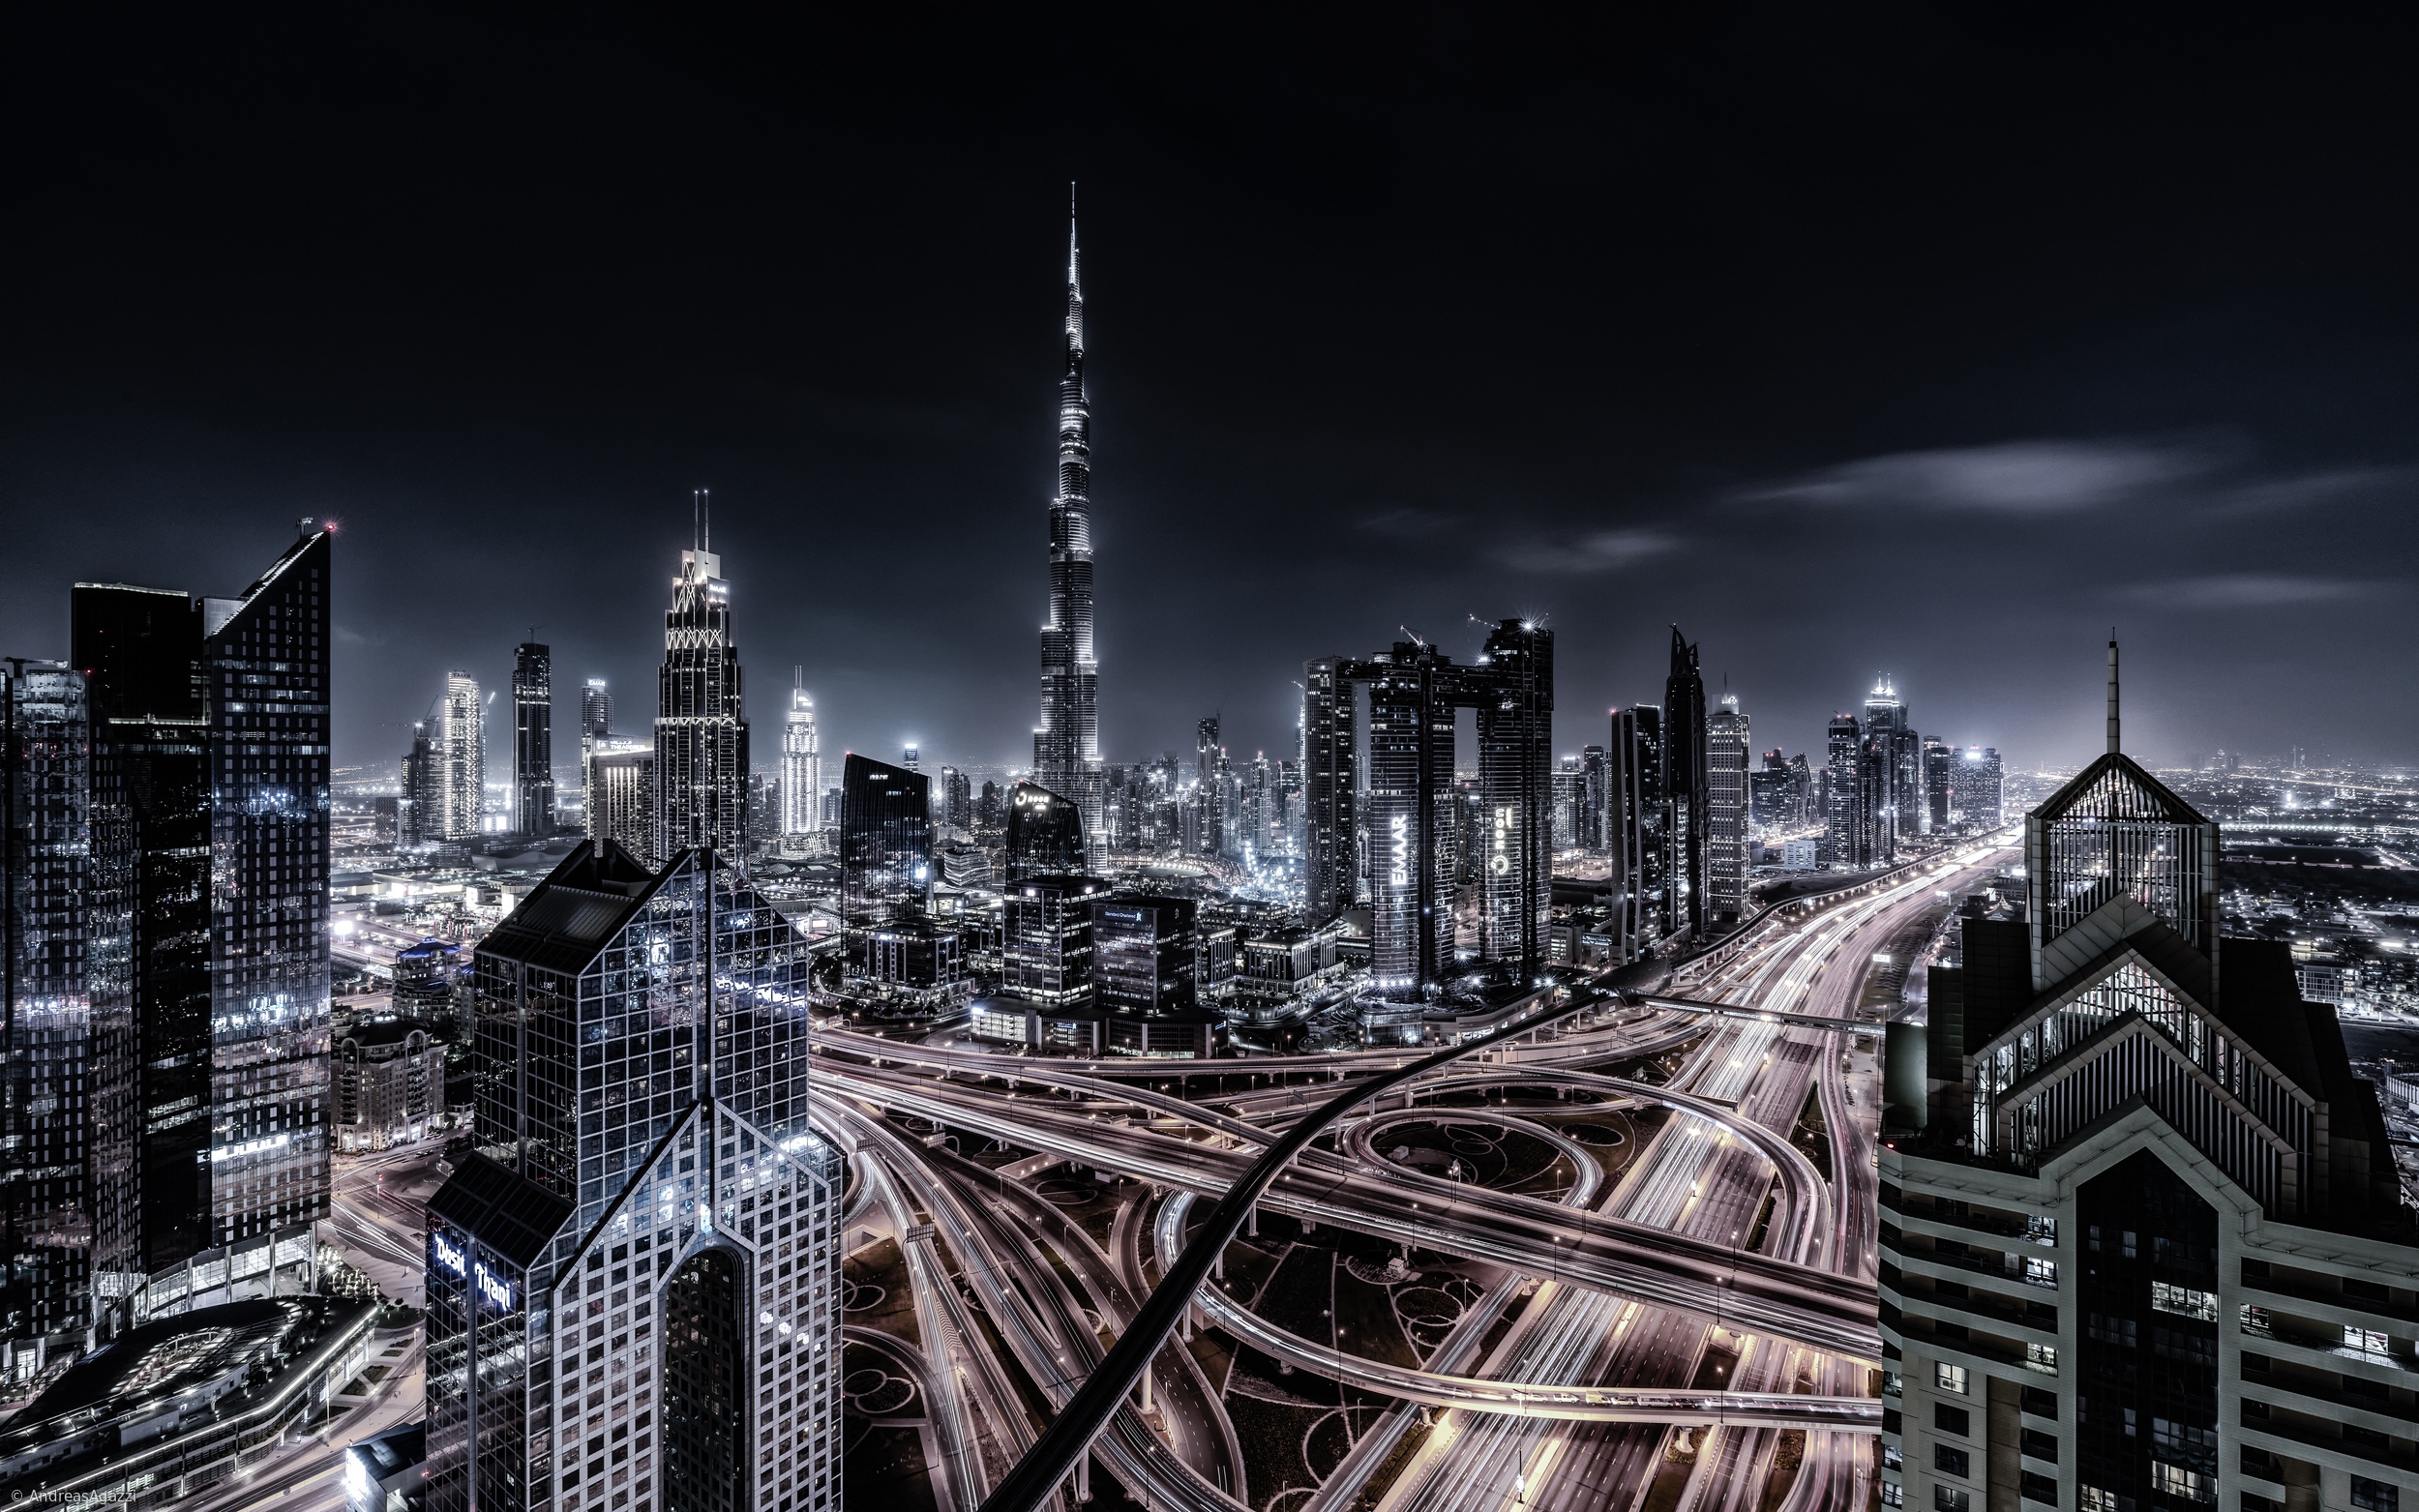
[1414, 691]
[1045, 833]
[1688, 831]
[533, 740]
[1143, 954]
[1635, 817]
[886, 840]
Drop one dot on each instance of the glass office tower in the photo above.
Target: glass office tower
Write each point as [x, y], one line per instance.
[533, 740]
[210, 832]
[632, 1283]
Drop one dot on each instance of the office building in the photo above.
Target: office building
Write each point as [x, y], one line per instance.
[1331, 865]
[210, 850]
[1975, 783]
[1893, 775]
[1045, 833]
[1046, 941]
[620, 785]
[1067, 744]
[1635, 816]
[430, 987]
[1686, 831]
[1143, 955]
[633, 1283]
[1774, 799]
[67, 1127]
[911, 759]
[533, 740]
[885, 841]
[2142, 1245]
[419, 807]
[461, 770]
[701, 721]
[957, 799]
[390, 1086]
[1413, 691]
[1939, 759]
[1727, 746]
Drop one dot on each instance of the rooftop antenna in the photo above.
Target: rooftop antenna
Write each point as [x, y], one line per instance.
[2112, 691]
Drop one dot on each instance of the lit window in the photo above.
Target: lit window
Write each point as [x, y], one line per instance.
[1947, 1498]
[1947, 1377]
[2176, 1481]
[2041, 1358]
[2184, 1301]
[1892, 1494]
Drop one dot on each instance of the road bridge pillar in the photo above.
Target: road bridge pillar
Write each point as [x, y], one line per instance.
[1147, 1370]
[1254, 1220]
[1083, 1476]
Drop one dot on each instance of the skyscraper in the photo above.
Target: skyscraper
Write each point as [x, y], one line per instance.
[1413, 691]
[1066, 746]
[801, 764]
[1331, 711]
[886, 840]
[462, 779]
[533, 740]
[1938, 761]
[1727, 746]
[210, 830]
[67, 1127]
[632, 1285]
[420, 811]
[2181, 1262]
[1684, 792]
[621, 787]
[1974, 790]
[1045, 834]
[596, 709]
[1635, 813]
[700, 720]
[1847, 826]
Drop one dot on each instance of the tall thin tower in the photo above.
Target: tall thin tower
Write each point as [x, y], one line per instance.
[801, 764]
[1066, 746]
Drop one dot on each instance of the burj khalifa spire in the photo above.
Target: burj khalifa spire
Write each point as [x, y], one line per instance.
[1066, 746]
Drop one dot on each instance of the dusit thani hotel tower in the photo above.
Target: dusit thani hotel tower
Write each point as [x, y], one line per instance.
[1066, 746]
[2141, 1246]
[631, 1282]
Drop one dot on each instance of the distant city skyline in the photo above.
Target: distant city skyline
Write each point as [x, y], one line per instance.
[1846, 409]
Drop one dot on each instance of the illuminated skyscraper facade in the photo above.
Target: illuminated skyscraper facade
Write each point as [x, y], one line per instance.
[67, 1177]
[801, 766]
[533, 740]
[210, 849]
[462, 773]
[1045, 834]
[1066, 744]
[700, 720]
[1727, 748]
[632, 1283]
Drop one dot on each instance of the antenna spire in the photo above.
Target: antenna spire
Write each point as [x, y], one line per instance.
[2112, 691]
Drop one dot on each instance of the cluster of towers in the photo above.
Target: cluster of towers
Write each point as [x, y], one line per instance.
[1883, 784]
[164, 1138]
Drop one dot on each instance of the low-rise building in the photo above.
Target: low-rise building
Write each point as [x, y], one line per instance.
[176, 1404]
[390, 1085]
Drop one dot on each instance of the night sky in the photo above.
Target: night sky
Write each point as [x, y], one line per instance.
[1854, 343]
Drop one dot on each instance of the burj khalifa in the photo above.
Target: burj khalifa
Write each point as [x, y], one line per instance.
[1066, 746]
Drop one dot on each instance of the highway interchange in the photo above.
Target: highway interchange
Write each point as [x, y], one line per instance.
[1705, 1314]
